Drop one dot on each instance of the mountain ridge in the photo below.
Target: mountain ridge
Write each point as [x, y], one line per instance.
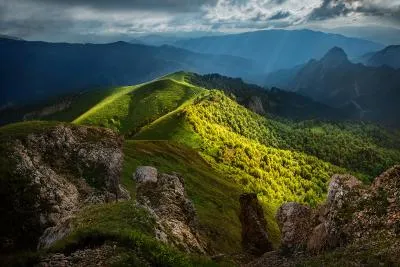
[278, 49]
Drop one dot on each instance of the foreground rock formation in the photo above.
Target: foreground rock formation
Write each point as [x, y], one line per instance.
[360, 224]
[254, 226]
[165, 197]
[52, 174]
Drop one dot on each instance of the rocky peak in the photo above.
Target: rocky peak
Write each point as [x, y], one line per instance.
[334, 57]
[165, 197]
[254, 226]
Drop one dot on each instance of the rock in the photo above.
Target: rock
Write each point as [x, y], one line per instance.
[294, 221]
[104, 255]
[55, 233]
[54, 172]
[254, 226]
[145, 174]
[339, 187]
[165, 197]
[352, 213]
[318, 239]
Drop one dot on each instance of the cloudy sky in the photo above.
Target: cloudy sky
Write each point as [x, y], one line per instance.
[80, 20]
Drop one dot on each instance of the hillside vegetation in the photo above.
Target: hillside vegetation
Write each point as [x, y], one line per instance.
[131, 108]
[222, 149]
[280, 159]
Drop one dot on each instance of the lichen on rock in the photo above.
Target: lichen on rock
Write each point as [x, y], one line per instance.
[165, 197]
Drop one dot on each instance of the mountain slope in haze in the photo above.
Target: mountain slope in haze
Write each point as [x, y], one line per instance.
[335, 81]
[390, 56]
[34, 71]
[278, 49]
[272, 101]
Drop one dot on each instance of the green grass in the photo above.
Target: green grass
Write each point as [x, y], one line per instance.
[131, 228]
[215, 197]
[135, 107]
[80, 104]
[111, 101]
[222, 149]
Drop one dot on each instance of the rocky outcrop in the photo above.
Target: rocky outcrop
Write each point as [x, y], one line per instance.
[360, 223]
[54, 173]
[352, 212]
[165, 197]
[254, 226]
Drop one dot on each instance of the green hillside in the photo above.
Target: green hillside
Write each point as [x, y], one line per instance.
[222, 149]
[279, 159]
[131, 108]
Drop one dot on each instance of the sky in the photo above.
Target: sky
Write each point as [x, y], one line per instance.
[91, 20]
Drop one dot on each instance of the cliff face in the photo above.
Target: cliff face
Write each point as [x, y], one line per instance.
[52, 173]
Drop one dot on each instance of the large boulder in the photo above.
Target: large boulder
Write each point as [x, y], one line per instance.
[52, 173]
[165, 197]
[254, 226]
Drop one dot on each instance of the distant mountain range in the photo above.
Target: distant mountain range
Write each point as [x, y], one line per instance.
[335, 81]
[278, 49]
[34, 71]
[389, 56]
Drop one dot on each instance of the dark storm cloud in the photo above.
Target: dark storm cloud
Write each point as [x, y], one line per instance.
[337, 8]
[329, 9]
[279, 15]
[156, 5]
[57, 20]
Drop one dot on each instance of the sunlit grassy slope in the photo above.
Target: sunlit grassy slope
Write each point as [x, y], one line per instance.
[280, 160]
[129, 109]
[215, 197]
[222, 149]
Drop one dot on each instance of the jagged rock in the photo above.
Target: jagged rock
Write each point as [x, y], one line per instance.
[165, 197]
[254, 226]
[54, 173]
[362, 224]
[294, 222]
[339, 187]
[351, 213]
[55, 233]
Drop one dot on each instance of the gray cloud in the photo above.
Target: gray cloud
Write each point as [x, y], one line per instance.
[338, 8]
[157, 5]
[74, 20]
[280, 15]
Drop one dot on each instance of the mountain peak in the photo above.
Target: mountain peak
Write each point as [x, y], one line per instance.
[335, 56]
